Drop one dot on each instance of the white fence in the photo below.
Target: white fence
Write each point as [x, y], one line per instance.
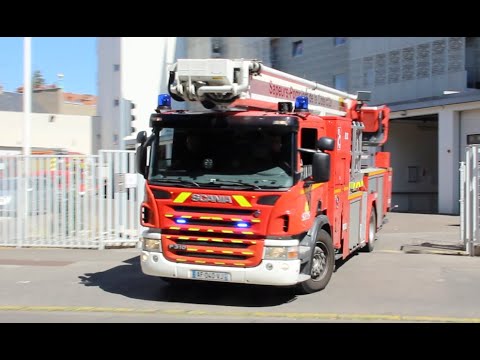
[69, 201]
[469, 200]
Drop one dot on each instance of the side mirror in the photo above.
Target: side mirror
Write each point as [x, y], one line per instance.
[325, 143]
[141, 137]
[141, 160]
[321, 167]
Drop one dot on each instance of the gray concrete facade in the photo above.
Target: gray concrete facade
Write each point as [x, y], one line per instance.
[431, 85]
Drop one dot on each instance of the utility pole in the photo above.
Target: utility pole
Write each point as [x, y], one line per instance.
[27, 108]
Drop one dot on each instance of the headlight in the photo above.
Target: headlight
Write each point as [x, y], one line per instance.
[152, 244]
[281, 253]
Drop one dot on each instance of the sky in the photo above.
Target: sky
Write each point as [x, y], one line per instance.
[74, 57]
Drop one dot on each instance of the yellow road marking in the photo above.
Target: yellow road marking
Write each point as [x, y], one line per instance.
[246, 314]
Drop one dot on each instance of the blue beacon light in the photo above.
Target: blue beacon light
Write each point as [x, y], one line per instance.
[164, 101]
[181, 221]
[301, 103]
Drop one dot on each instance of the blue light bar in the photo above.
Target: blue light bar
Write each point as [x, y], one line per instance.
[242, 225]
[301, 103]
[181, 221]
[164, 101]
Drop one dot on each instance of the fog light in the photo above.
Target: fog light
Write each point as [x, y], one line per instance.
[144, 257]
[269, 266]
[285, 266]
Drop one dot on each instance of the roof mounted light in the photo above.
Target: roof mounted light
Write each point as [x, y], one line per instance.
[164, 101]
[285, 107]
[301, 103]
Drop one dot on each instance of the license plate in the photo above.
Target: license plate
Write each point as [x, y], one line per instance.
[210, 275]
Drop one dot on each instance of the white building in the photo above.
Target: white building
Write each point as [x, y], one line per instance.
[76, 133]
[135, 69]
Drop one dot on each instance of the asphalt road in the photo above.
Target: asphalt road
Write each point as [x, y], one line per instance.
[417, 273]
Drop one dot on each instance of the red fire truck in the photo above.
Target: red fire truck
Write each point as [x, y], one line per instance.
[275, 179]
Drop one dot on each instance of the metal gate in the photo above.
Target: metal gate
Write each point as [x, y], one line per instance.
[469, 200]
[71, 201]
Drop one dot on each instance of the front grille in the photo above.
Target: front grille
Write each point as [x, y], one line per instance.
[212, 256]
[212, 249]
[217, 244]
[210, 210]
[210, 236]
[212, 222]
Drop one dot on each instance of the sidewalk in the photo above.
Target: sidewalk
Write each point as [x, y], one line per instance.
[421, 233]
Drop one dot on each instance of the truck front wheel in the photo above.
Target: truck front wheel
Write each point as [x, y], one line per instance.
[322, 265]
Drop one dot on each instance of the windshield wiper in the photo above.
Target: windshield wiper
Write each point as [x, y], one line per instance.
[177, 181]
[238, 183]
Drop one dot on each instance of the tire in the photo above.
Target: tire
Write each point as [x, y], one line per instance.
[323, 263]
[372, 231]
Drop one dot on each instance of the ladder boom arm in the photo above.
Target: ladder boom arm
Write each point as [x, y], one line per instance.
[223, 81]
[221, 84]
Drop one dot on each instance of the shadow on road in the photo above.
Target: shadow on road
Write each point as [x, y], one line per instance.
[433, 248]
[128, 280]
[340, 262]
[444, 246]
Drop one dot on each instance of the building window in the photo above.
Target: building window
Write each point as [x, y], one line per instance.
[297, 49]
[340, 82]
[116, 102]
[339, 41]
[116, 67]
[472, 63]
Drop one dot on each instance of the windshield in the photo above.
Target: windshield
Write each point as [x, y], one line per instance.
[244, 158]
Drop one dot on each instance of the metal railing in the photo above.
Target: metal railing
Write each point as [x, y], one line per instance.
[469, 200]
[71, 201]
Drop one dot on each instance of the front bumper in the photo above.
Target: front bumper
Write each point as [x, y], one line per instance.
[281, 273]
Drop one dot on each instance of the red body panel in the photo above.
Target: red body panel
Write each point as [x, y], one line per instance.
[212, 223]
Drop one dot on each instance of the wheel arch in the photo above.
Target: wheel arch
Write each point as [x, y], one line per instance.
[310, 240]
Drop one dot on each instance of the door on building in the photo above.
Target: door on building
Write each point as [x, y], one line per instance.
[413, 143]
